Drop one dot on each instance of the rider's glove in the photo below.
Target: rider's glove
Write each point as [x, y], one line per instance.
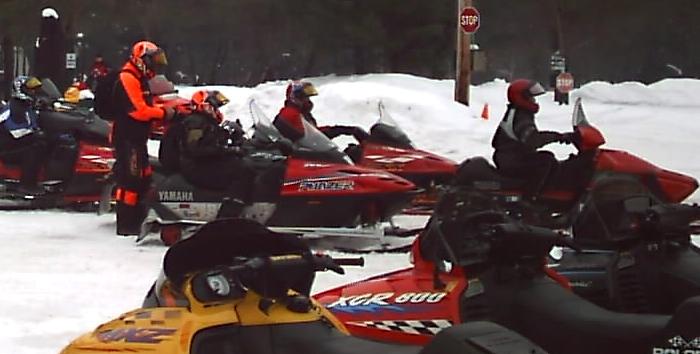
[168, 113]
[567, 138]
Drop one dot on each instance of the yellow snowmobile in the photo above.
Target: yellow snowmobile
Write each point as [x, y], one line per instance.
[236, 287]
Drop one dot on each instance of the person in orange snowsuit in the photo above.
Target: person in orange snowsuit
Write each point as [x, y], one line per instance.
[132, 124]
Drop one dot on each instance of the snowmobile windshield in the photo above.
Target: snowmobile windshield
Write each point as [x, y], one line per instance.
[316, 145]
[313, 145]
[49, 89]
[314, 140]
[160, 85]
[387, 131]
[264, 132]
[578, 117]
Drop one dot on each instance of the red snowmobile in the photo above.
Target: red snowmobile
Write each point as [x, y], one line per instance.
[592, 173]
[474, 263]
[80, 157]
[314, 190]
[387, 147]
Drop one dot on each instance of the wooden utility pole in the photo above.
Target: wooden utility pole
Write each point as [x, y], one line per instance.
[467, 23]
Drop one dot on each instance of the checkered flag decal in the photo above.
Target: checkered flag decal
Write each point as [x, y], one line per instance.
[426, 327]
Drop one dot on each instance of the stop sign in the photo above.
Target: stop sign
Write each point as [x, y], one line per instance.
[565, 82]
[469, 19]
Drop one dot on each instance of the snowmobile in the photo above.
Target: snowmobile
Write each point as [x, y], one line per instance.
[644, 262]
[312, 189]
[236, 287]
[593, 171]
[79, 162]
[387, 147]
[475, 263]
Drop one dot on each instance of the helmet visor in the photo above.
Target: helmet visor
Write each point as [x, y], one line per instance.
[159, 58]
[536, 90]
[219, 99]
[309, 90]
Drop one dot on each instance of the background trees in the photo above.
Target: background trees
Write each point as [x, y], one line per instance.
[245, 42]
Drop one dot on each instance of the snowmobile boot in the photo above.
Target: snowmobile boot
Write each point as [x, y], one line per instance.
[129, 219]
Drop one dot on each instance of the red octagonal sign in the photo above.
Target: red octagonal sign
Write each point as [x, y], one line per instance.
[470, 19]
[565, 82]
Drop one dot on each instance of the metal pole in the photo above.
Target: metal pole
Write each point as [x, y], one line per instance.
[463, 71]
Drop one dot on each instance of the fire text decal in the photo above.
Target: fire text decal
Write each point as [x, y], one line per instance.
[135, 335]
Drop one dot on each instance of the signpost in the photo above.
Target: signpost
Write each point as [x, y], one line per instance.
[468, 22]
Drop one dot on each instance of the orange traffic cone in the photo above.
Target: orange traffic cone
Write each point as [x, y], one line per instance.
[485, 112]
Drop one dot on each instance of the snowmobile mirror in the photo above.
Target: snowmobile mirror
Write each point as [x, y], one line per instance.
[49, 89]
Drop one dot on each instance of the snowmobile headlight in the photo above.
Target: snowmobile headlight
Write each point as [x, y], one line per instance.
[219, 284]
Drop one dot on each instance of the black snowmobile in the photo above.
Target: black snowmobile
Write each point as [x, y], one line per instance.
[640, 260]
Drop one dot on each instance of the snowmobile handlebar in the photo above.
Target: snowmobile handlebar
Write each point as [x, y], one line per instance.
[514, 240]
[356, 261]
[318, 262]
[667, 220]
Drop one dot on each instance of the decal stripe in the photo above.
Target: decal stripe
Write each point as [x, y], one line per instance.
[425, 327]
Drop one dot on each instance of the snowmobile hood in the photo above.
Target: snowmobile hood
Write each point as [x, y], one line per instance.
[674, 186]
[321, 178]
[406, 161]
[158, 330]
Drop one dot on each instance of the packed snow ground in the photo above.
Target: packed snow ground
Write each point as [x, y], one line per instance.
[64, 273]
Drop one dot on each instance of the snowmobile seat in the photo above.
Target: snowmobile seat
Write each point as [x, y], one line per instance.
[158, 167]
[477, 172]
[561, 322]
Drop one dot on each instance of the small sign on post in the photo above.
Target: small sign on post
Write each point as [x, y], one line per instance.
[71, 60]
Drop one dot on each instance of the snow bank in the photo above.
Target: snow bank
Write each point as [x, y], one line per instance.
[669, 93]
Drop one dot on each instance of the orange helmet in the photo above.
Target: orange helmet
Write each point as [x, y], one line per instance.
[209, 102]
[147, 56]
[212, 97]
